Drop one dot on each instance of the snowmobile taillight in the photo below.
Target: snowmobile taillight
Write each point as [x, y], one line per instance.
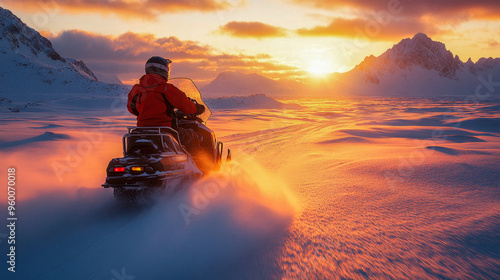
[137, 168]
[119, 169]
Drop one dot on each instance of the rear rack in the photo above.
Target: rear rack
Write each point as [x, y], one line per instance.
[149, 130]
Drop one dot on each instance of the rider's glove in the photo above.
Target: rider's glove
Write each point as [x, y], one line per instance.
[200, 109]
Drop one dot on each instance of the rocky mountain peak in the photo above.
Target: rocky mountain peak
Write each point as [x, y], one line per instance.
[21, 37]
[418, 51]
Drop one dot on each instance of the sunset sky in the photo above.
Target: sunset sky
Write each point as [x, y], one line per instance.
[280, 39]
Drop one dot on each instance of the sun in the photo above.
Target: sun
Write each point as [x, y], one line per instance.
[321, 61]
[320, 67]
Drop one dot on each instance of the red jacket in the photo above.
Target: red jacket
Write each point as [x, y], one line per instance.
[146, 101]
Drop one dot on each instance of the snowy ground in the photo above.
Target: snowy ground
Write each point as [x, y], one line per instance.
[339, 189]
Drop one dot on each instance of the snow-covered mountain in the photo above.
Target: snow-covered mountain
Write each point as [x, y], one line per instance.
[416, 67]
[239, 84]
[31, 70]
[80, 65]
[109, 78]
[420, 51]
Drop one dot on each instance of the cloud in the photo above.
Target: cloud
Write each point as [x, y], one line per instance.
[127, 46]
[389, 20]
[416, 9]
[492, 43]
[253, 29]
[125, 55]
[387, 29]
[145, 9]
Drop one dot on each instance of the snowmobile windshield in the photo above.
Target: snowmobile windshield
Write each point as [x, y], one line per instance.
[189, 88]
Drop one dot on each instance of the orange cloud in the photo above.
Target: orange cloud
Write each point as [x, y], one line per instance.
[389, 20]
[125, 55]
[254, 29]
[492, 43]
[145, 9]
[130, 46]
[388, 29]
[416, 9]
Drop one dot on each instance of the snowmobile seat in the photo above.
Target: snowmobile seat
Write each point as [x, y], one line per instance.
[142, 146]
[150, 140]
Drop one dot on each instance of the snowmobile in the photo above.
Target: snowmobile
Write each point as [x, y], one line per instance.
[154, 160]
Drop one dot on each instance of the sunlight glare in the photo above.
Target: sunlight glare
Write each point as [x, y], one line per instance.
[320, 62]
[320, 67]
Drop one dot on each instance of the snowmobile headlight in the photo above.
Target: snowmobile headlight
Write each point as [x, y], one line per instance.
[119, 169]
[137, 168]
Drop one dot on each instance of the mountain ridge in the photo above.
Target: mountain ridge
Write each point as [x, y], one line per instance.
[417, 66]
[230, 83]
[422, 51]
[32, 70]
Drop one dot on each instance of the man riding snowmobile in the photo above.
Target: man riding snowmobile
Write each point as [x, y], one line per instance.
[153, 100]
[171, 143]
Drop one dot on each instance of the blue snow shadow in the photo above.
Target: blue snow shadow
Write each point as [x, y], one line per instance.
[452, 135]
[456, 152]
[47, 136]
[48, 126]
